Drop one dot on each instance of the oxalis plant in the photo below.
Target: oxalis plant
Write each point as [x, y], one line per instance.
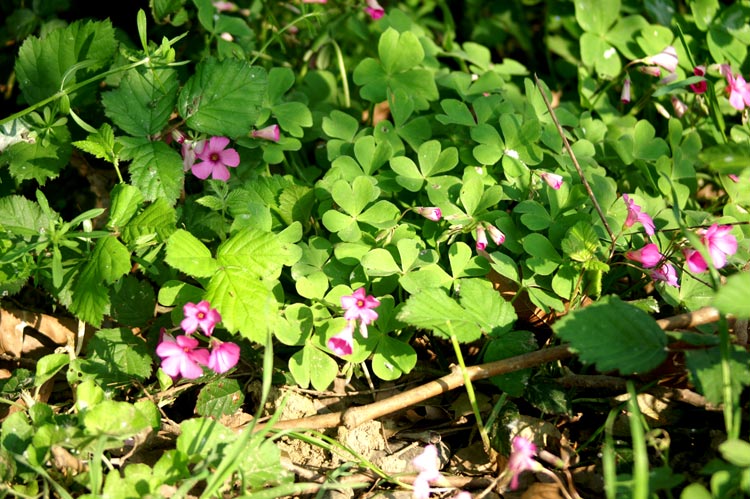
[306, 187]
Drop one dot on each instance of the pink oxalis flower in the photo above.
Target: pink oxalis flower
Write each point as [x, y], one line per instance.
[481, 238]
[360, 305]
[625, 96]
[374, 10]
[521, 459]
[667, 59]
[720, 243]
[271, 132]
[739, 91]
[201, 316]
[430, 212]
[215, 157]
[553, 180]
[701, 86]
[427, 463]
[343, 343]
[666, 273]
[496, 235]
[635, 214]
[648, 256]
[181, 356]
[224, 356]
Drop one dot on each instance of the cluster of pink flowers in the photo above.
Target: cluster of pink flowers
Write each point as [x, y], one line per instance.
[717, 239]
[496, 235]
[357, 306]
[182, 356]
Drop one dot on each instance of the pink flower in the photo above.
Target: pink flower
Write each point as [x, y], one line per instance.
[215, 158]
[720, 243]
[648, 256]
[481, 238]
[181, 357]
[430, 212]
[224, 356]
[695, 261]
[680, 108]
[553, 180]
[199, 316]
[701, 86]
[625, 95]
[667, 59]
[374, 10]
[521, 459]
[666, 273]
[650, 70]
[496, 235]
[635, 214]
[360, 306]
[734, 178]
[739, 92]
[343, 343]
[270, 132]
[225, 6]
[427, 464]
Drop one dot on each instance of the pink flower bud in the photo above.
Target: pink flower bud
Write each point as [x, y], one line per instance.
[481, 238]
[430, 212]
[270, 132]
[553, 180]
[648, 256]
[625, 95]
[496, 235]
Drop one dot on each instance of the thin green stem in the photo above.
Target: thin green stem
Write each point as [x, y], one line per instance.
[342, 70]
[640, 486]
[469, 388]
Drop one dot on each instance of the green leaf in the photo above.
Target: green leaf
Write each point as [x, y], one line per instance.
[42, 158]
[580, 242]
[133, 302]
[399, 51]
[534, 216]
[156, 169]
[706, 365]
[726, 158]
[615, 336]
[154, 224]
[595, 16]
[704, 12]
[218, 398]
[114, 419]
[42, 63]
[48, 366]
[508, 345]
[732, 296]
[292, 117]
[456, 113]
[141, 105]
[200, 437]
[22, 216]
[311, 365]
[187, 254]
[117, 356]
[100, 144]
[223, 97]
[490, 148]
[736, 452]
[392, 358]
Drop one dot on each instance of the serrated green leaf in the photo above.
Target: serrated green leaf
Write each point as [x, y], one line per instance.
[580, 242]
[41, 159]
[223, 97]
[487, 306]
[17, 212]
[219, 398]
[156, 169]
[187, 254]
[614, 335]
[433, 309]
[100, 144]
[141, 105]
[154, 224]
[133, 302]
[125, 202]
[110, 259]
[256, 252]
[119, 356]
[42, 63]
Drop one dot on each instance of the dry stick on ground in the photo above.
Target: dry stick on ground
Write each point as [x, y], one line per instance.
[355, 416]
[575, 163]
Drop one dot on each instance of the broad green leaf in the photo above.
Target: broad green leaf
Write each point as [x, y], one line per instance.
[392, 358]
[22, 216]
[218, 398]
[126, 200]
[595, 16]
[141, 105]
[133, 302]
[371, 155]
[433, 309]
[354, 197]
[311, 365]
[292, 117]
[399, 51]
[200, 437]
[491, 147]
[41, 159]
[114, 419]
[42, 63]
[433, 161]
[614, 335]
[254, 251]
[704, 12]
[736, 452]
[382, 215]
[117, 356]
[223, 97]
[456, 112]
[379, 262]
[187, 254]
[597, 53]
[705, 367]
[732, 296]
[154, 224]
[726, 158]
[408, 175]
[507, 345]
[580, 242]
[156, 169]
[534, 216]
[48, 366]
